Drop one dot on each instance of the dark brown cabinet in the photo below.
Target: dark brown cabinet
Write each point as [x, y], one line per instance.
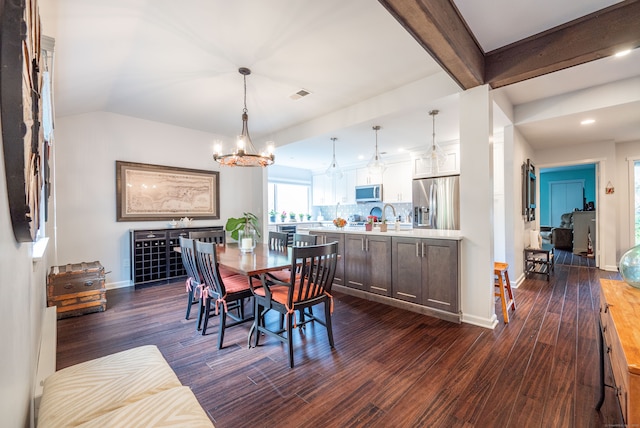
[425, 272]
[152, 253]
[367, 262]
[327, 237]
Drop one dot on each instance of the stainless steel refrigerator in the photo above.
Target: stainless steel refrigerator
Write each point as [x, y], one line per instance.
[436, 203]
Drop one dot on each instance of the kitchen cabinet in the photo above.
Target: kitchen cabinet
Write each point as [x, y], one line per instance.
[327, 237]
[425, 272]
[369, 257]
[322, 190]
[346, 188]
[422, 163]
[363, 177]
[397, 183]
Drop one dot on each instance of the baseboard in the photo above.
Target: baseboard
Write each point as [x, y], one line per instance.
[46, 354]
[119, 284]
[490, 323]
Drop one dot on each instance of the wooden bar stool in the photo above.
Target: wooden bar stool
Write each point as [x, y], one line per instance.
[502, 283]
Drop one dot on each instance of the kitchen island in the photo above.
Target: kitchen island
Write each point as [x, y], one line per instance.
[414, 269]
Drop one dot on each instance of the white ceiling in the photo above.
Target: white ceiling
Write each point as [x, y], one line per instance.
[177, 62]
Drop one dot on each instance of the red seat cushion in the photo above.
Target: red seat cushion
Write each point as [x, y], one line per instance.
[235, 283]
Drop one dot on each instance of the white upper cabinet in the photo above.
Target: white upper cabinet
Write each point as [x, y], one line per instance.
[363, 177]
[422, 163]
[322, 190]
[346, 189]
[397, 182]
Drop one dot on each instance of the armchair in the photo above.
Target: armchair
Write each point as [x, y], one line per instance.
[562, 236]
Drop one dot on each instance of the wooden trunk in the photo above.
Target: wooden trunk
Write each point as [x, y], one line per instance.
[77, 289]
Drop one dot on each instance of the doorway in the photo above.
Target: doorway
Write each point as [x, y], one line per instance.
[564, 197]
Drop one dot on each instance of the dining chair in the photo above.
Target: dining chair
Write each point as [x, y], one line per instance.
[302, 240]
[277, 241]
[192, 284]
[305, 289]
[217, 236]
[223, 295]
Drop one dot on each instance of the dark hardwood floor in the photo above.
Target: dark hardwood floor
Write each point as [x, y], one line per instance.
[390, 368]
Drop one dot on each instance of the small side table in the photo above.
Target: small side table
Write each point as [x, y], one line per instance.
[539, 260]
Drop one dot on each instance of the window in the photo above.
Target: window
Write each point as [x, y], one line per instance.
[290, 197]
[636, 200]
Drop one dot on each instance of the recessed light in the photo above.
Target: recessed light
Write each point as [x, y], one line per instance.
[587, 122]
[623, 53]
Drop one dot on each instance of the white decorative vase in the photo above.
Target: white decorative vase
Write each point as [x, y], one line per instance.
[247, 239]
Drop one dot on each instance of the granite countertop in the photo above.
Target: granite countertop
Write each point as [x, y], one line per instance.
[403, 232]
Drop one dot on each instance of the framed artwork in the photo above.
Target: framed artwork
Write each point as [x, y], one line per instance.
[153, 192]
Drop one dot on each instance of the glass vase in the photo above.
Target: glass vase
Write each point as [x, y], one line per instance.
[629, 266]
[247, 239]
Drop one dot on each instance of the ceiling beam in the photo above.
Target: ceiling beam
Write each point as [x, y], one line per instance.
[437, 26]
[594, 36]
[440, 30]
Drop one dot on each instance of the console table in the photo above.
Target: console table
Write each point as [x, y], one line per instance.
[620, 341]
[539, 260]
[152, 256]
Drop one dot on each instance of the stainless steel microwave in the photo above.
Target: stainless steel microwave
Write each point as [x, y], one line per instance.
[369, 193]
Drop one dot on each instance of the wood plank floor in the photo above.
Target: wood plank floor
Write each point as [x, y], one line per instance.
[390, 368]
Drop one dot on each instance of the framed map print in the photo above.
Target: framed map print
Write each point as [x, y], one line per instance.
[154, 192]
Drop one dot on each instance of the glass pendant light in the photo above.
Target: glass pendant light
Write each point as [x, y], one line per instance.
[376, 166]
[437, 157]
[334, 170]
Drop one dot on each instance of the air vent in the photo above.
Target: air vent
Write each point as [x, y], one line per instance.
[301, 93]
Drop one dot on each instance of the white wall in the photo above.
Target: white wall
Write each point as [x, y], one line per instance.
[623, 196]
[87, 147]
[22, 305]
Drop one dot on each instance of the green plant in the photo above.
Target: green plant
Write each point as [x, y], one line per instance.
[246, 222]
[272, 213]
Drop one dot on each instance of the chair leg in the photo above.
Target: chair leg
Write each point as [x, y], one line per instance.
[223, 321]
[327, 321]
[200, 314]
[189, 303]
[206, 308]
[290, 339]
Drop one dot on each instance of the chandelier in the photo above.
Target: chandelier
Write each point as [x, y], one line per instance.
[376, 166]
[245, 153]
[437, 156]
[334, 170]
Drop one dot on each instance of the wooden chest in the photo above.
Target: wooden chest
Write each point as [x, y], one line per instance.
[77, 289]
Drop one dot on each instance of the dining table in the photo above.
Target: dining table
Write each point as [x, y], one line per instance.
[253, 264]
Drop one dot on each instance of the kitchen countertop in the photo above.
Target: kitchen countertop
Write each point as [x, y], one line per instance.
[408, 233]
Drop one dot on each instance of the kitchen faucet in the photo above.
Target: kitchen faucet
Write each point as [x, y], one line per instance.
[395, 215]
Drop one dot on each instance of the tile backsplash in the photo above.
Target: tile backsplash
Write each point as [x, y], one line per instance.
[328, 212]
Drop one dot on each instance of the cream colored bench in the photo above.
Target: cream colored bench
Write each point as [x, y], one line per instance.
[135, 388]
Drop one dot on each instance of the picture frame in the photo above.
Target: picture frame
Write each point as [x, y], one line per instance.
[147, 192]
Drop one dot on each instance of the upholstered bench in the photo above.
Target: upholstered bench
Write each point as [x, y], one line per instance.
[136, 387]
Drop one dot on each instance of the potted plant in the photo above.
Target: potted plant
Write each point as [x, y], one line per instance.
[308, 217]
[272, 216]
[283, 215]
[383, 225]
[245, 230]
[301, 215]
[369, 225]
[292, 216]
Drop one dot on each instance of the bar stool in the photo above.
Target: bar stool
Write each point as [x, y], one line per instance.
[502, 283]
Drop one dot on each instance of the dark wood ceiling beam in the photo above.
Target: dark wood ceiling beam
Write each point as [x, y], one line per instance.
[589, 38]
[437, 26]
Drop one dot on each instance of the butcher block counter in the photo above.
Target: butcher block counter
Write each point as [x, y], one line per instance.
[415, 269]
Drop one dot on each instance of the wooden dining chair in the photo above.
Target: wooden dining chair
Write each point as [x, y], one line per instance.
[220, 295]
[217, 236]
[302, 240]
[187, 252]
[303, 290]
[277, 241]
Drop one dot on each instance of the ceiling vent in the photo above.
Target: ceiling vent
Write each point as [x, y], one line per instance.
[300, 94]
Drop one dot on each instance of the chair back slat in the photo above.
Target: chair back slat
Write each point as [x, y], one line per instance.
[187, 252]
[277, 241]
[216, 236]
[208, 265]
[318, 270]
[301, 240]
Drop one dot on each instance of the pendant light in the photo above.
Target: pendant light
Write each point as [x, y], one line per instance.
[376, 166]
[437, 156]
[245, 153]
[334, 170]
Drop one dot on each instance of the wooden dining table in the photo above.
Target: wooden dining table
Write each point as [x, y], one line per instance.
[256, 263]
